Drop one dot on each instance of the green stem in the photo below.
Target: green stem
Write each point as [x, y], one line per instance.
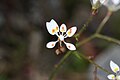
[100, 27]
[85, 41]
[107, 38]
[78, 56]
[57, 67]
[83, 27]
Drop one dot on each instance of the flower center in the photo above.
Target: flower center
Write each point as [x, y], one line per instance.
[61, 37]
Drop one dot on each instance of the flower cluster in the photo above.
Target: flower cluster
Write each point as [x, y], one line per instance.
[115, 68]
[112, 5]
[61, 33]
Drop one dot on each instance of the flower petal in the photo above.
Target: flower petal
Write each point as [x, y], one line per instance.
[52, 27]
[118, 77]
[112, 5]
[116, 2]
[63, 28]
[114, 67]
[51, 44]
[71, 31]
[70, 46]
[102, 1]
[111, 77]
[95, 1]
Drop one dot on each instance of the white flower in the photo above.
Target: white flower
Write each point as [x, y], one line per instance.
[112, 5]
[96, 3]
[61, 33]
[115, 68]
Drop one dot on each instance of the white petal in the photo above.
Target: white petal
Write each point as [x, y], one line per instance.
[111, 77]
[71, 31]
[63, 28]
[51, 44]
[95, 1]
[52, 27]
[114, 67]
[102, 1]
[112, 5]
[118, 77]
[116, 2]
[70, 46]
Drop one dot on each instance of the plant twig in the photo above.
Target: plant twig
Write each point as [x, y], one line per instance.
[107, 38]
[85, 40]
[78, 56]
[59, 65]
[83, 27]
[100, 27]
[95, 74]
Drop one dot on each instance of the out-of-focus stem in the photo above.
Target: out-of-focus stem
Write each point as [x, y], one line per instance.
[95, 73]
[107, 38]
[83, 27]
[85, 41]
[57, 67]
[100, 27]
[92, 62]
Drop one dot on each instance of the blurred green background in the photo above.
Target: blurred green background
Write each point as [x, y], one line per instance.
[23, 38]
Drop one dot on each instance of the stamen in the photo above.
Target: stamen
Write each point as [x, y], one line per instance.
[113, 77]
[70, 32]
[69, 46]
[116, 69]
[53, 31]
[52, 44]
[62, 28]
[56, 28]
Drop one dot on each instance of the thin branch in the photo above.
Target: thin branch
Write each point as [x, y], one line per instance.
[57, 67]
[100, 27]
[107, 38]
[95, 74]
[78, 56]
[83, 27]
[85, 41]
